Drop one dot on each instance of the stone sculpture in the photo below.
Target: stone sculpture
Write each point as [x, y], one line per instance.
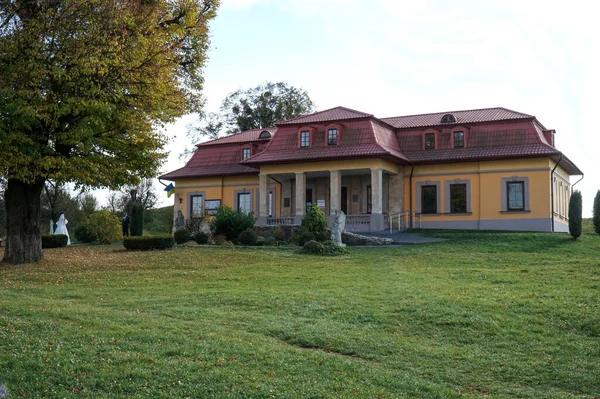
[338, 225]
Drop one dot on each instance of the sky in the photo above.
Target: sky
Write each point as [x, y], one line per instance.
[393, 58]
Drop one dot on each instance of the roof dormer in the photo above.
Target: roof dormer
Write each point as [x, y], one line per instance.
[448, 118]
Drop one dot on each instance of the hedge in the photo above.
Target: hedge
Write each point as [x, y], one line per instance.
[54, 240]
[146, 243]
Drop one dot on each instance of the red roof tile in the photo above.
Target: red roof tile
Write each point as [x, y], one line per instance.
[472, 154]
[212, 170]
[328, 115]
[462, 117]
[242, 137]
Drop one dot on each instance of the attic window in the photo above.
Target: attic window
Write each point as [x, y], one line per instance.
[245, 153]
[264, 135]
[448, 118]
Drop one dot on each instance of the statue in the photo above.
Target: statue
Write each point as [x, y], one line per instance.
[339, 223]
[179, 221]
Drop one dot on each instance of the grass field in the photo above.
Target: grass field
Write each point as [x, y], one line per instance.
[496, 315]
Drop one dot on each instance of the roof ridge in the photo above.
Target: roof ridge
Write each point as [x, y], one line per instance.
[462, 110]
[287, 121]
[273, 129]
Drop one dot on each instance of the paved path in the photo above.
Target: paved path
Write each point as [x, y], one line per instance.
[403, 237]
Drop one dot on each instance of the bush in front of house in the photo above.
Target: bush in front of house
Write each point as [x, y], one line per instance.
[279, 234]
[248, 237]
[304, 236]
[315, 221]
[181, 236]
[201, 238]
[83, 233]
[231, 223]
[327, 248]
[149, 242]
[575, 209]
[54, 240]
[105, 226]
[596, 213]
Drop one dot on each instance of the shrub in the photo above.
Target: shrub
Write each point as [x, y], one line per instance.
[304, 236]
[270, 241]
[137, 219]
[104, 226]
[575, 215]
[220, 239]
[200, 238]
[279, 234]
[315, 221]
[181, 236]
[248, 237]
[332, 249]
[148, 243]
[54, 240]
[194, 224]
[231, 223]
[83, 233]
[596, 213]
[313, 247]
[328, 248]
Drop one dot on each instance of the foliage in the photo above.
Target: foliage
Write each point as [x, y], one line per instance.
[596, 213]
[149, 242]
[270, 241]
[194, 224]
[105, 226]
[315, 221]
[201, 238]
[142, 192]
[248, 237]
[181, 236]
[327, 248]
[255, 108]
[221, 239]
[54, 240]
[312, 247]
[575, 209]
[161, 221]
[514, 315]
[84, 87]
[83, 233]
[231, 223]
[279, 234]
[303, 236]
[137, 219]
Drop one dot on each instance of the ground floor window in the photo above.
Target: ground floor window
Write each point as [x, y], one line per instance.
[429, 199]
[196, 206]
[211, 206]
[458, 198]
[515, 191]
[244, 202]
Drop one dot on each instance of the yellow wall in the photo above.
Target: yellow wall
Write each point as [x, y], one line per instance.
[352, 164]
[486, 186]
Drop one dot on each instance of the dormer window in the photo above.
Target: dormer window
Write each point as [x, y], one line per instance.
[246, 153]
[448, 118]
[305, 139]
[332, 135]
[430, 141]
[459, 139]
[264, 135]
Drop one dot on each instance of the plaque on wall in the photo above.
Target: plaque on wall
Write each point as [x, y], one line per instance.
[286, 202]
[355, 198]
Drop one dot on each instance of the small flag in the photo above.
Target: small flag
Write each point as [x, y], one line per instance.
[170, 189]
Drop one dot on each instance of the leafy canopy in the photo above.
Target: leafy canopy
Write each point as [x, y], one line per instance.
[86, 83]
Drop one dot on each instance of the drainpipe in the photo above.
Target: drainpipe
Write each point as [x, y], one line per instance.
[573, 185]
[552, 190]
[412, 169]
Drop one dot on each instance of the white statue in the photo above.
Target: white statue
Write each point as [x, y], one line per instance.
[339, 223]
[61, 227]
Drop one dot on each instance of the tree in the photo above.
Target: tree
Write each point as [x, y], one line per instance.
[143, 193]
[84, 86]
[255, 108]
[137, 219]
[575, 210]
[87, 203]
[596, 213]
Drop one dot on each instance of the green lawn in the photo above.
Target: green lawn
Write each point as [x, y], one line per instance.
[496, 315]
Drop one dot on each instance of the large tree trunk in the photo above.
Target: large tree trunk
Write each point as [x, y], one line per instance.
[23, 209]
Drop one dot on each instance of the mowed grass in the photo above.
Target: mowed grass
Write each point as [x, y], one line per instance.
[496, 315]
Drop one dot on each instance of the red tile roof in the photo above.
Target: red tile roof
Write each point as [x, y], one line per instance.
[242, 137]
[328, 115]
[205, 171]
[462, 117]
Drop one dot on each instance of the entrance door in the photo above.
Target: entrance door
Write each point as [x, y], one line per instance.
[309, 197]
[344, 200]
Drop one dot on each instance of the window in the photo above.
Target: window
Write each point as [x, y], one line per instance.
[244, 202]
[429, 199]
[245, 153]
[271, 195]
[332, 137]
[211, 206]
[196, 206]
[305, 139]
[430, 141]
[264, 135]
[515, 191]
[458, 198]
[459, 139]
[448, 118]
[369, 200]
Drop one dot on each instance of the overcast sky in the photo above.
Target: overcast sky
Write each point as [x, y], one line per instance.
[390, 58]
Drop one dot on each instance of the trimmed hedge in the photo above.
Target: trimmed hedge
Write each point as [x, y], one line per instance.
[84, 233]
[181, 236]
[575, 222]
[328, 248]
[201, 238]
[149, 242]
[54, 240]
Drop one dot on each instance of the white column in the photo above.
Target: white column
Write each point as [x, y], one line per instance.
[335, 182]
[300, 196]
[377, 200]
[263, 196]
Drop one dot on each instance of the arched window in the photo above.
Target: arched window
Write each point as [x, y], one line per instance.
[448, 118]
[264, 135]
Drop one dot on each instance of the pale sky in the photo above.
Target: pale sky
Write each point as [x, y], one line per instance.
[392, 58]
